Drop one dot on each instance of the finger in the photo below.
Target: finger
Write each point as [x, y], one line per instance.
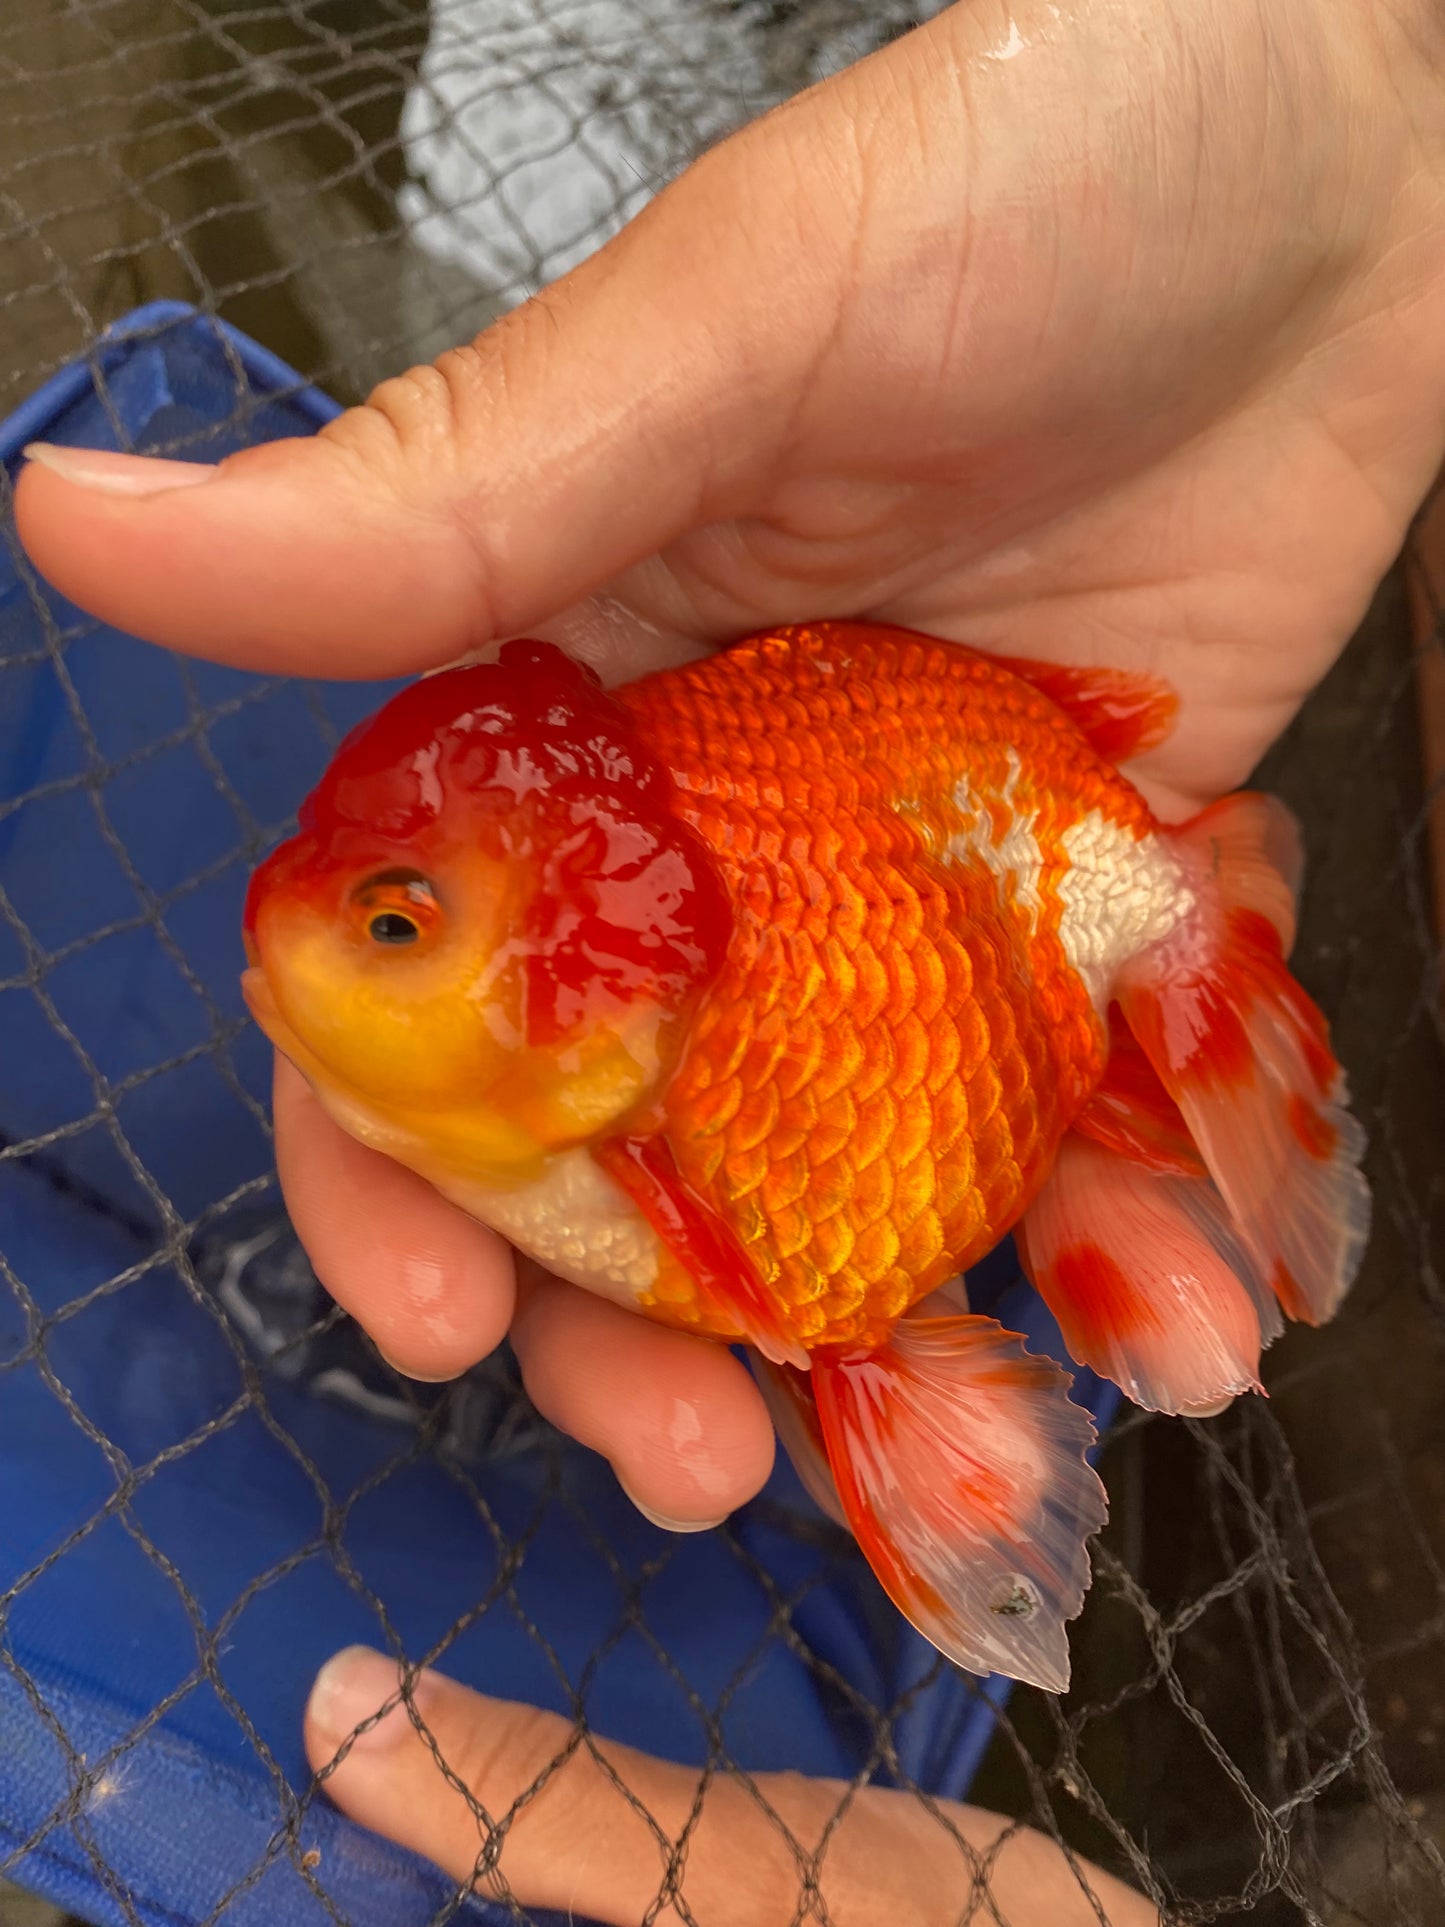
[679, 1418]
[591, 1826]
[682, 1423]
[470, 499]
[432, 1286]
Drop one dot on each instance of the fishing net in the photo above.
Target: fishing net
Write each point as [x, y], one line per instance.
[1257, 1719]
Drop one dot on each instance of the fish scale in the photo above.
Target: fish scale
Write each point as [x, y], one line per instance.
[873, 1090]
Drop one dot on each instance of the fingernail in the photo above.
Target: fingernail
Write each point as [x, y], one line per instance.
[113, 474]
[672, 1525]
[352, 1687]
[417, 1378]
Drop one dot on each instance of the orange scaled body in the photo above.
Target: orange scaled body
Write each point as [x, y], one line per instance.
[876, 1087]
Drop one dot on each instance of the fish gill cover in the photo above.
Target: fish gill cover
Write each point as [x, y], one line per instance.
[208, 1479]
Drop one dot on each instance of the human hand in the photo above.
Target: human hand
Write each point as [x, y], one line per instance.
[1112, 335]
[598, 1834]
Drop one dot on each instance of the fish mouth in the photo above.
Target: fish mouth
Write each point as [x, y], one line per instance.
[261, 1002]
[335, 1100]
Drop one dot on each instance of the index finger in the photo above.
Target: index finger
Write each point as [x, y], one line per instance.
[591, 1826]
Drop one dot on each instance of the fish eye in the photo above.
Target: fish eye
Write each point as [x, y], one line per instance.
[394, 926]
[397, 906]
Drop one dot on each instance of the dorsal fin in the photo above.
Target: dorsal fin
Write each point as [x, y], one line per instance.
[1121, 712]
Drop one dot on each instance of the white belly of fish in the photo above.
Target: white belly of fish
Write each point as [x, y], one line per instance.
[574, 1220]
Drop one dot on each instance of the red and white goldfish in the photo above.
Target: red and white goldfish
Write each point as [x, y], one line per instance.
[767, 994]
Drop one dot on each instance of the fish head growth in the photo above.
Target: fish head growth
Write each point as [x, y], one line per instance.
[487, 938]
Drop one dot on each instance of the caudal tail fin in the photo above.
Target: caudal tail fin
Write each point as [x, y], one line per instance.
[1246, 1056]
[959, 1464]
[1147, 1278]
[1213, 1180]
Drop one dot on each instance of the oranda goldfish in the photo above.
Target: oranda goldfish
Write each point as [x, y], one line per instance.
[767, 994]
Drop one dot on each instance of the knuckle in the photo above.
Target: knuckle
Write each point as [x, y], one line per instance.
[407, 422]
[421, 422]
[417, 440]
[502, 1759]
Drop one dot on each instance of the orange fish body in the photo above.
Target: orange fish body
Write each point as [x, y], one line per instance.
[767, 994]
[878, 1083]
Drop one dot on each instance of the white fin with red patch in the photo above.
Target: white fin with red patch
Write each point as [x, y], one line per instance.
[1215, 1171]
[788, 1394]
[1147, 1278]
[1129, 1111]
[959, 1462]
[1246, 1056]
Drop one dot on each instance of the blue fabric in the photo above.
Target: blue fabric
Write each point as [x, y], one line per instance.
[101, 1633]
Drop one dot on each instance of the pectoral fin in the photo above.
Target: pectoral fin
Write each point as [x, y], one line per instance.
[728, 1290]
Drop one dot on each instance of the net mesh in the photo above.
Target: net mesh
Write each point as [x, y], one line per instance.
[1258, 1712]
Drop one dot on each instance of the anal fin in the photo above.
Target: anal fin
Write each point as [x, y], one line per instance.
[960, 1464]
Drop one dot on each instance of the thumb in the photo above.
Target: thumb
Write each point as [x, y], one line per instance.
[473, 498]
[573, 1823]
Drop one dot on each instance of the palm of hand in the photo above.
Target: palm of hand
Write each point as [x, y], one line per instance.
[1149, 409]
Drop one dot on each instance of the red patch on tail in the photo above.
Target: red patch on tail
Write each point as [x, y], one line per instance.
[1197, 1035]
[1098, 1292]
[1313, 1131]
[1245, 1055]
[1130, 1111]
[1149, 1283]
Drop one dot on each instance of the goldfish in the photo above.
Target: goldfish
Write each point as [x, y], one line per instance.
[767, 994]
